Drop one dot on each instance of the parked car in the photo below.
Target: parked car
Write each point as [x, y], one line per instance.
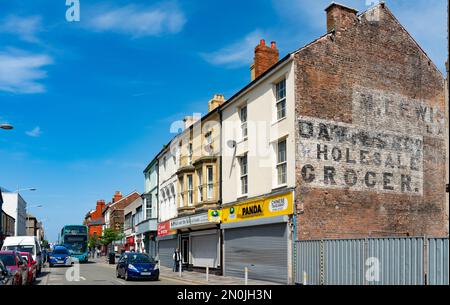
[6, 278]
[60, 256]
[16, 265]
[31, 267]
[132, 265]
[28, 244]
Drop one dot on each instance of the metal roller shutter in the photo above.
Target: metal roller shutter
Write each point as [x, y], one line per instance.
[204, 250]
[263, 249]
[165, 251]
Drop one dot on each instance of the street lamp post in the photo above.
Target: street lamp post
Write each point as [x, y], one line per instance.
[4, 127]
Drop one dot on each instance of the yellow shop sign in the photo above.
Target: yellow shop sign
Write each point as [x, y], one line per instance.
[253, 209]
[214, 215]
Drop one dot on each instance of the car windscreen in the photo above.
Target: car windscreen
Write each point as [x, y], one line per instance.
[139, 258]
[60, 251]
[21, 248]
[8, 259]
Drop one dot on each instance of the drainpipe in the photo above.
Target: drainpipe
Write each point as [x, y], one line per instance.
[220, 194]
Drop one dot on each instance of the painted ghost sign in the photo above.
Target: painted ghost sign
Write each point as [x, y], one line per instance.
[398, 113]
[339, 155]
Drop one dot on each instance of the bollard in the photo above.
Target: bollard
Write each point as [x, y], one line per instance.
[245, 276]
[180, 266]
[207, 274]
[305, 278]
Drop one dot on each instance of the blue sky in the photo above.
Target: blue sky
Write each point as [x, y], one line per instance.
[92, 101]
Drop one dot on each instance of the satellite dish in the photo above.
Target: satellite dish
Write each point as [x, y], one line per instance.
[231, 143]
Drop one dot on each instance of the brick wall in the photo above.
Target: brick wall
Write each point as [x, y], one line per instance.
[370, 128]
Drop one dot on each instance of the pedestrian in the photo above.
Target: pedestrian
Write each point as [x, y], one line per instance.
[176, 260]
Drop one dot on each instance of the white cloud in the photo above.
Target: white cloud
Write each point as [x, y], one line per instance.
[35, 132]
[20, 72]
[138, 21]
[26, 28]
[237, 54]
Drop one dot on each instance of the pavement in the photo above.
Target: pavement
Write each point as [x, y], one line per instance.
[197, 278]
[91, 273]
[99, 272]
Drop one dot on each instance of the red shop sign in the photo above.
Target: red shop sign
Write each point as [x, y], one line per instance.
[164, 229]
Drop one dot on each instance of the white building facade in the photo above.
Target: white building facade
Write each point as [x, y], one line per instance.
[168, 164]
[148, 226]
[15, 206]
[133, 214]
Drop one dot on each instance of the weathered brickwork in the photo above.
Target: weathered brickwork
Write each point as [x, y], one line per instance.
[370, 158]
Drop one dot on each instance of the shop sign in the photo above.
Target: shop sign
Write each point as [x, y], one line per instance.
[254, 209]
[214, 215]
[164, 229]
[188, 221]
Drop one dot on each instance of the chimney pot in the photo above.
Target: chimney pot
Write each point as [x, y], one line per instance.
[273, 45]
[262, 42]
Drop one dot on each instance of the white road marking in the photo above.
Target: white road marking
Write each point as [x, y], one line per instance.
[120, 282]
[83, 278]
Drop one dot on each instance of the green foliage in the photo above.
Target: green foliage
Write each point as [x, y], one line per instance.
[44, 244]
[109, 236]
[93, 241]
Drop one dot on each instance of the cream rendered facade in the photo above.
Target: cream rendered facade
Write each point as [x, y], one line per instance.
[264, 133]
[168, 163]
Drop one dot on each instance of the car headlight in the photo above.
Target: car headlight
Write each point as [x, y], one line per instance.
[156, 267]
[52, 257]
[130, 266]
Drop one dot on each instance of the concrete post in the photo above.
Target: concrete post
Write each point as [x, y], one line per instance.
[245, 276]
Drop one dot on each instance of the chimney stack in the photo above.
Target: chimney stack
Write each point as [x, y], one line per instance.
[100, 206]
[340, 17]
[117, 196]
[216, 101]
[265, 57]
[191, 120]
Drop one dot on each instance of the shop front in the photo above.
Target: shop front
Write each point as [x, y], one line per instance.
[130, 243]
[146, 236]
[167, 240]
[258, 236]
[199, 241]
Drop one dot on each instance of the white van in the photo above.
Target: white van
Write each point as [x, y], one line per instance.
[28, 244]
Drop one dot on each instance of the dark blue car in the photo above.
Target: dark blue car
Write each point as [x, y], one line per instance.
[60, 256]
[134, 265]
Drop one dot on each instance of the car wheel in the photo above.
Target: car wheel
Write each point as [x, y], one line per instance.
[117, 273]
[126, 276]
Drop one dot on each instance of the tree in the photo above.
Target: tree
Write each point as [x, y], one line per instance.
[44, 244]
[109, 236]
[93, 241]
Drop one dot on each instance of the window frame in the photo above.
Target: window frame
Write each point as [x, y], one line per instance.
[243, 176]
[244, 124]
[281, 164]
[190, 190]
[200, 185]
[280, 100]
[210, 182]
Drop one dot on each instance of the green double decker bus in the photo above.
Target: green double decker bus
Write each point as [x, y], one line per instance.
[75, 239]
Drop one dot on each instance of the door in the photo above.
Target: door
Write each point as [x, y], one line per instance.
[262, 249]
[185, 249]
